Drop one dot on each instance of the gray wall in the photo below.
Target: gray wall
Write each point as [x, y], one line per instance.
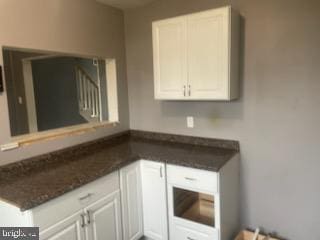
[276, 120]
[82, 27]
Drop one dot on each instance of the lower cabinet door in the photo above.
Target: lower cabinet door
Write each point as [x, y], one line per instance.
[70, 228]
[103, 219]
[154, 200]
[130, 184]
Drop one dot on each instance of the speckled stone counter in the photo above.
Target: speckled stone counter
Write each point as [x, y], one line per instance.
[34, 181]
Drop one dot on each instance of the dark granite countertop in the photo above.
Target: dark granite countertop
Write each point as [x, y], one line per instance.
[34, 181]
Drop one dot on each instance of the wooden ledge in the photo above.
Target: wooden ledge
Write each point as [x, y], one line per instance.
[25, 140]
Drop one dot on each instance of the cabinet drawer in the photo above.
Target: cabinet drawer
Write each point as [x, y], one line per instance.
[183, 233]
[201, 180]
[57, 209]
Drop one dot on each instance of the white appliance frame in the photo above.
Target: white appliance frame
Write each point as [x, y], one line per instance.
[198, 227]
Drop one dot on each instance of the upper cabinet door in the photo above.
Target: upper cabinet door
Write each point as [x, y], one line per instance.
[170, 60]
[208, 55]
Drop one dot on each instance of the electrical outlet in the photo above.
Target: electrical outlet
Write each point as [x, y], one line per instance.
[190, 122]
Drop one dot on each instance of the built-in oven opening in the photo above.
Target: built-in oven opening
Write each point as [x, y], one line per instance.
[194, 206]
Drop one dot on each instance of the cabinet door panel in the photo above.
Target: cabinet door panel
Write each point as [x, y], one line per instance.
[131, 201]
[154, 200]
[169, 51]
[67, 229]
[66, 205]
[104, 218]
[208, 54]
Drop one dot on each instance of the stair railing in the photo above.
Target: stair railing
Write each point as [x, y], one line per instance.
[88, 93]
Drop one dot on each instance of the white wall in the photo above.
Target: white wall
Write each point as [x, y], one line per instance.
[73, 26]
[276, 120]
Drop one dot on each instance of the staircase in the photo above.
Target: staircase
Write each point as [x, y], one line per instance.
[88, 96]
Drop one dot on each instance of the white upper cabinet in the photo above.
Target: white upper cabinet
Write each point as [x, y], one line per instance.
[170, 58]
[196, 56]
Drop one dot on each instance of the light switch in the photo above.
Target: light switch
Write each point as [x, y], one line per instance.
[190, 122]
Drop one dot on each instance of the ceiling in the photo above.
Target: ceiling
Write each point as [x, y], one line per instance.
[125, 4]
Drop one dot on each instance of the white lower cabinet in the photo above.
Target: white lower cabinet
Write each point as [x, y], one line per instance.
[98, 217]
[203, 205]
[154, 200]
[194, 207]
[181, 232]
[131, 197]
[104, 218]
[67, 229]
[101, 220]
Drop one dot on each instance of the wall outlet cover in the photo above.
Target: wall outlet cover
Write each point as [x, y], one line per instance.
[190, 122]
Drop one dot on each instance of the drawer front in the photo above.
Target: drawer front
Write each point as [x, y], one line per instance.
[183, 233]
[200, 180]
[57, 209]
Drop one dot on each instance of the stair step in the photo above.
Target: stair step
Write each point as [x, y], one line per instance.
[86, 114]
